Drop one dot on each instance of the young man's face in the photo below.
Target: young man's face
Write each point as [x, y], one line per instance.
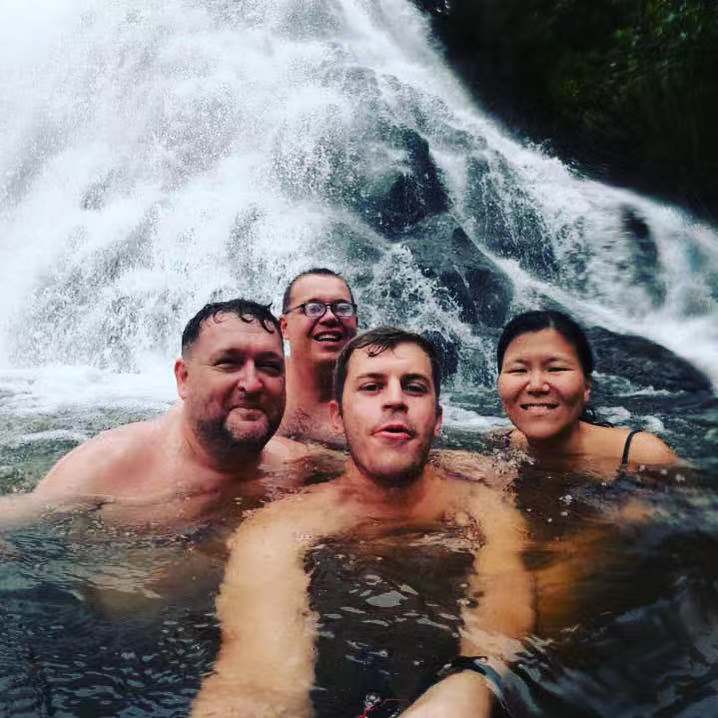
[389, 412]
[317, 340]
[232, 383]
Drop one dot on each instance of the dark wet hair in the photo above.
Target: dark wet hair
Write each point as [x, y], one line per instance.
[379, 340]
[247, 310]
[538, 320]
[320, 271]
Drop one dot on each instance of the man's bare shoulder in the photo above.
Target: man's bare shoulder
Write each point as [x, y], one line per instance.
[492, 471]
[282, 448]
[94, 466]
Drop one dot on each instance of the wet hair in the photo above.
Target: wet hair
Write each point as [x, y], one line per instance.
[247, 310]
[377, 341]
[319, 271]
[569, 329]
[536, 321]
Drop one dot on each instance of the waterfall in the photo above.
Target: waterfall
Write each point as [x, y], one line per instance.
[158, 155]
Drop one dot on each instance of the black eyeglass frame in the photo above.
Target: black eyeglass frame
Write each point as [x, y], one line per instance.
[329, 305]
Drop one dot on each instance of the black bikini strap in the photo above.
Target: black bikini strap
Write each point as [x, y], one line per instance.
[627, 446]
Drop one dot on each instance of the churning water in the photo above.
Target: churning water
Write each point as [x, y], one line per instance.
[158, 155]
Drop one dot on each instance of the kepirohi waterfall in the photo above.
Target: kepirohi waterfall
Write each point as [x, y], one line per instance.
[158, 155]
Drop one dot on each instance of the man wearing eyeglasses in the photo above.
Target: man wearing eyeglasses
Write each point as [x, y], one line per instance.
[318, 318]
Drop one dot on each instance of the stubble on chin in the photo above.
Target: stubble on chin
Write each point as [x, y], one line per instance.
[223, 438]
[393, 475]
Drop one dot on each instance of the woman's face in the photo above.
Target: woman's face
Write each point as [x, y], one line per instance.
[542, 385]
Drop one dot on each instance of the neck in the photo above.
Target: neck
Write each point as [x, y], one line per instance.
[567, 443]
[382, 499]
[309, 384]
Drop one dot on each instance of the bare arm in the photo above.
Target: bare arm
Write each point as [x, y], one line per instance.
[22, 509]
[265, 667]
[85, 478]
[497, 612]
[650, 450]
[477, 467]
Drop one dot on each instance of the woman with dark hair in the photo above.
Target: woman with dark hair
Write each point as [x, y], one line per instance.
[545, 365]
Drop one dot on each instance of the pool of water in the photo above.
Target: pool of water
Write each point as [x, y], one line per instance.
[97, 620]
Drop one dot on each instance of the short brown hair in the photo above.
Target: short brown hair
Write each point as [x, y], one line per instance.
[379, 340]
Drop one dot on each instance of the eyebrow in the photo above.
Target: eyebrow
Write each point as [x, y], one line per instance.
[233, 352]
[555, 357]
[404, 377]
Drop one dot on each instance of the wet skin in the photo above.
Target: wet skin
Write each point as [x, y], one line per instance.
[315, 345]
[316, 341]
[390, 416]
[544, 391]
[194, 462]
[542, 385]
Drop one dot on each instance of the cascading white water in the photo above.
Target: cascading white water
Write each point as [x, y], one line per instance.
[157, 155]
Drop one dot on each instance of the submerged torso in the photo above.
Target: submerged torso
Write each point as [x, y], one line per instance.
[389, 615]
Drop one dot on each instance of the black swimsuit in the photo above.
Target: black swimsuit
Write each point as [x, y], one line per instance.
[627, 446]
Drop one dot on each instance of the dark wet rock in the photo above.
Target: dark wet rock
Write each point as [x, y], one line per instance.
[412, 193]
[646, 267]
[481, 289]
[448, 352]
[644, 363]
[458, 290]
[504, 218]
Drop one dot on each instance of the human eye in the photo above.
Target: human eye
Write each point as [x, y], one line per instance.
[343, 309]
[558, 367]
[227, 363]
[416, 387]
[516, 370]
[314, 309]
[369, 386]
[273, 368]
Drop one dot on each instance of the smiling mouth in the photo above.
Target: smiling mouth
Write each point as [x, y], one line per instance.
[248, 410]
[328, 337]
[539, 407]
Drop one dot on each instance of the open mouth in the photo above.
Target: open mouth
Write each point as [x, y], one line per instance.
[539, 407]
[328, 337]
[395, 431]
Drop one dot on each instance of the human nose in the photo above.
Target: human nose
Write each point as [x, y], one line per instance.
[248, 379]
[537, 381]
[394, 397]
[328, 317]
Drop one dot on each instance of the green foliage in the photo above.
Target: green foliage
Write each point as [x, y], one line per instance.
[628, 87]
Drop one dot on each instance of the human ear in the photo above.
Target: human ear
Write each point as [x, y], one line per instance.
[439, 420]
[181, 374]
[335, 416]
[282, 324]
[587, 391]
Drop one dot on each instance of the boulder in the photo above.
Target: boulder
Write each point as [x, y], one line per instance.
[481, 289]
[411, 193]
[644, 362]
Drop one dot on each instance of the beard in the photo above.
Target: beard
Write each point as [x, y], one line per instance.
[393, 473]
[226, 437]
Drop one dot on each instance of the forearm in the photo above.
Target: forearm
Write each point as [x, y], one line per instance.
[463, 695]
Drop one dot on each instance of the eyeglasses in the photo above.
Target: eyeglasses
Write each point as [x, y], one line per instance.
[316, 310]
